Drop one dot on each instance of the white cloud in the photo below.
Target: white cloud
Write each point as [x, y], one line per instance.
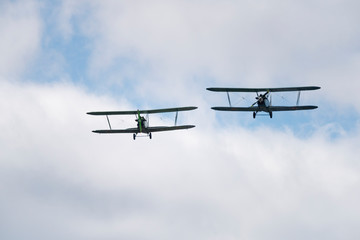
[234, 43]
[20, 28]
[59, 180]
[223, 183]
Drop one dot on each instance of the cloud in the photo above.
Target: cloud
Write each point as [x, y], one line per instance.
[21, 30]
[216, 181]
[223, 183]
[179, 43]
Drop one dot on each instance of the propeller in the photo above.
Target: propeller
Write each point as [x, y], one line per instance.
[260, 98]
[139, 120]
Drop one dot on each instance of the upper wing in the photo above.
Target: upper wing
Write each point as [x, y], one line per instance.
[128, 130]
[266, 109]
[113, 113]
[237, 109]
[165, 128]
[163, 110]
[286, 89]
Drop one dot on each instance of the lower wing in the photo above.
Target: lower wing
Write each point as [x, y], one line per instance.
[164, 128]
[237, 109]
[265, 109]
[128, 130]
[146, 130]
[290, 108]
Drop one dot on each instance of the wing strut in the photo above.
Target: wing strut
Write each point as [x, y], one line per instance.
[108, 121]
[298, 99]
[176, 117]
[228, 96]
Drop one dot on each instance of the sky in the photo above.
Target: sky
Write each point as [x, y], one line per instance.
[295, 176]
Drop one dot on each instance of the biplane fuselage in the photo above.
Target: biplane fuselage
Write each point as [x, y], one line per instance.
[142, 125]
[264, 103]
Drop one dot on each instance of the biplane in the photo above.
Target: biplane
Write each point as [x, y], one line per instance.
[262, 99]
[143, 122]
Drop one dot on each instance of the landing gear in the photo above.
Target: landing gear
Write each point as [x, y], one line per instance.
[134, 136]
[270, 113]
[150, 136]
[254, 114]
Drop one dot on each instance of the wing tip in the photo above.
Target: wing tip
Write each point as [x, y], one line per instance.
[313, 87]
[191, 108]
[217, 108]
[309, 107]
[97, 113]
[185, 127]
[221, 108]
[214, 89]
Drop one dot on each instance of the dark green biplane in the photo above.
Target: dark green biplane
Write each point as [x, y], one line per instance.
[142, 122]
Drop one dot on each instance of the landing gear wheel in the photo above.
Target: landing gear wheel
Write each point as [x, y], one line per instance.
[134, 136]
[254, 114]
[150, 136]
[270, 113]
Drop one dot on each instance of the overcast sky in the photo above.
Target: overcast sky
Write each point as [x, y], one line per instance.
[295, 176]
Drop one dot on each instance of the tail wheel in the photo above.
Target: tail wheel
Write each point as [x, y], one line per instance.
[270, 113]
[150, 136]
[254, 114]
[134, 136]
